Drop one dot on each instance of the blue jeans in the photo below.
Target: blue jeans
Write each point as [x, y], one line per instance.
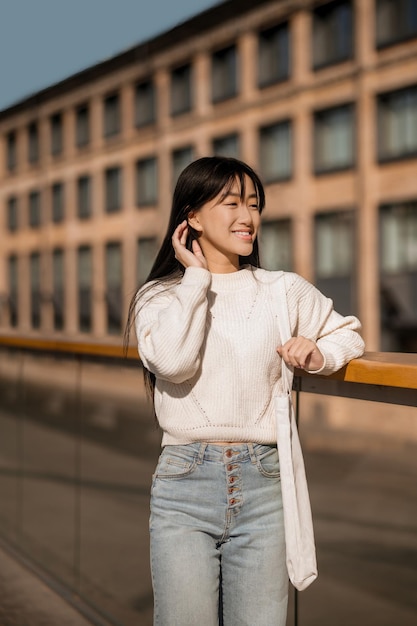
[217, 537]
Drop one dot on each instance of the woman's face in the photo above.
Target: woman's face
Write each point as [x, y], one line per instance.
[228, 226]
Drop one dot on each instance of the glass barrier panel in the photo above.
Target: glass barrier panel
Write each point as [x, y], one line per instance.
[361, 461]
[120, 447]
[11, 364]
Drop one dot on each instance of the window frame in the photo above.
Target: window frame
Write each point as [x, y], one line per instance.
[113, 201]
[220, 63]
[34, 209]
[114, 308]
[235, 136]
[56, 125]
[57, 189]
[277, 178]
[33, 143]
[335, 60]
[58, 291]
[380, 157]
[140, 167]
[112, 120]
[11, 151]
[12, 213]
[401, 38]
[334, 169]
[186, 104]
[174, 153]
[81, 180]
[83, 290]
[150, 118]
[81, 142]
[262, 37]
[339, 215]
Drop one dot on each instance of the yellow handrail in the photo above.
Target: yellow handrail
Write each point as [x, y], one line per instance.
[390, 369]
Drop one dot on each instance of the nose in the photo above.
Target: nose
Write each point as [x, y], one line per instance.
[245, 214]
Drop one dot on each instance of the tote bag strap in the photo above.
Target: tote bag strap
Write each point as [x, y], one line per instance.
[298, 524]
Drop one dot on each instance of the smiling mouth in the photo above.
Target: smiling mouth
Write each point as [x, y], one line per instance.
[243, 234]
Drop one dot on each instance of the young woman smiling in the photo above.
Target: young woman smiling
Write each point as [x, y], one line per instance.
[209, 342]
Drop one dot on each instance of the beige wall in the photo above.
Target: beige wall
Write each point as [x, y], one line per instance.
[363, 188]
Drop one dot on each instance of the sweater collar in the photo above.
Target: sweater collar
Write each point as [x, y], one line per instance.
[234, 281]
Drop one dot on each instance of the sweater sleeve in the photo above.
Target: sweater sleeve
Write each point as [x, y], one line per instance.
[170, 326]
[312, 316]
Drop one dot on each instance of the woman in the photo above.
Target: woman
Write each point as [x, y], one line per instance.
[208, 339]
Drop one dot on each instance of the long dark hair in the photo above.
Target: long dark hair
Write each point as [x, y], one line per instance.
[201, 181]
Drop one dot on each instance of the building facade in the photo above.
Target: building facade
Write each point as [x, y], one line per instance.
[319, 97]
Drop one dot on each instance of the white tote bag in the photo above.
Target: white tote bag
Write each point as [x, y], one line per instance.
[299, 534]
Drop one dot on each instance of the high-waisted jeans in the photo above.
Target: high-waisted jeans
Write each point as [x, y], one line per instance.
[217, 537]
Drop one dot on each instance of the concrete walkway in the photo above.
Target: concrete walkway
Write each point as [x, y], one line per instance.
[25, 600]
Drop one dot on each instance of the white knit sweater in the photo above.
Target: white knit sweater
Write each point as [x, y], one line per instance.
[211, 343]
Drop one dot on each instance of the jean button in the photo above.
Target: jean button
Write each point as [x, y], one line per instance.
[229, 453]
[229, 468]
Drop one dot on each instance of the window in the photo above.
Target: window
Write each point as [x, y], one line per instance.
[35, 289]
[334, 139]
[33, 143]
[58, 282]
[224, 74]
[180, 159]
[147, 248]
[84, 197]
[181, 98]
[112, 115]
[332, 33]
[34, 209]
[399, 237]
[334, 254]
[273, 55]
[11, 151]
[56, 134]
[276, 245]
[82, 126]
[113, 182]
[396, 20]
[398, 262]
[397, 124]
[145, 103]
[13, 275]
[114, 287]
[85, 278]
[12, 214]
[227, 146]
[147, 182]
[58, 208]
[275, 151]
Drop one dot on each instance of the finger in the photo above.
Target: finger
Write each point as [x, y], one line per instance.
[184, 234]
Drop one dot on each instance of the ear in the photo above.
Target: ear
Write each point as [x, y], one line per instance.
[193, 221]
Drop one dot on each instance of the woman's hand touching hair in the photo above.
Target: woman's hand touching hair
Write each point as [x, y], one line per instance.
[187, 258]
[301, 352]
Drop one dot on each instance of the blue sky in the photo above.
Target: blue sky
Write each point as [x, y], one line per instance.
[44, 41]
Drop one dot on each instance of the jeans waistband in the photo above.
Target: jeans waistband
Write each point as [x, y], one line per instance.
[223, 453]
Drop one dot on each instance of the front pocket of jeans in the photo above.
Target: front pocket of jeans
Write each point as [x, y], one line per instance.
[268, 464]
[174, 467]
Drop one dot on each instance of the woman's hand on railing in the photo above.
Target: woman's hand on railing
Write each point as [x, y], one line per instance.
[302, 353]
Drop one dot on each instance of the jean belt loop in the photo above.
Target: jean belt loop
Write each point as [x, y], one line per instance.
[252, 453]
[201, 453]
